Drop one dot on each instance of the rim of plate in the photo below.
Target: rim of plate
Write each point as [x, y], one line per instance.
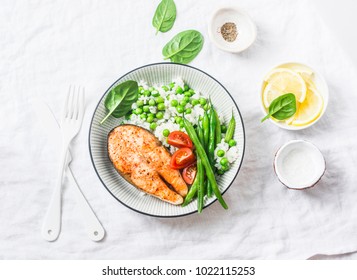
[90, 129]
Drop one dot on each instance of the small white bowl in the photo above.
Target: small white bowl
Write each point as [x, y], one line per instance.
[299, 165]
[320, 84]
[247, 31]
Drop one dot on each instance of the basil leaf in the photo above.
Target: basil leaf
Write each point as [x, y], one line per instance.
[184, 47]
[282, 107]
[120, 98]
[164, 16]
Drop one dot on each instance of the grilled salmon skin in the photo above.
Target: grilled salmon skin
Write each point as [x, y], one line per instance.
[140, 157]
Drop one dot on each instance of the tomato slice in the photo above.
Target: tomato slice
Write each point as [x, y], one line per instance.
[182, 158]
[179, 139]
[189, 173]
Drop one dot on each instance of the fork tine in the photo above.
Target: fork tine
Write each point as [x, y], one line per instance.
[81, 104]
[72, 103]
[65, 108]
[75, 104]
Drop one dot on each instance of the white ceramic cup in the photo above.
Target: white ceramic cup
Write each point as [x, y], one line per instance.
[299, 164]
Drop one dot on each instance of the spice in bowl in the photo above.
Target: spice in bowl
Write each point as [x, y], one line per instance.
[229, 31]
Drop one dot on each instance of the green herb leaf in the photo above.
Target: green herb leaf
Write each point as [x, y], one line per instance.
[164, 16]
[184, 47]
[282, 107]
[120, 98]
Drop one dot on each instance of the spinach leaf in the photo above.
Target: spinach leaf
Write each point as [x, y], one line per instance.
[184, 47]
[120, 99]
[282, 107]
[164, 16]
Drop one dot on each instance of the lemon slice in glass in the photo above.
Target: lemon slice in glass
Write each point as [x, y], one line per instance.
[281, 81]
[310, 109]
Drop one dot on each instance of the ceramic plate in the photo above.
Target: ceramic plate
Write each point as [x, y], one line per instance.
[161, 73]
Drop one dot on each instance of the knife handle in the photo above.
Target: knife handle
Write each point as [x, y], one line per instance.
[94, 229]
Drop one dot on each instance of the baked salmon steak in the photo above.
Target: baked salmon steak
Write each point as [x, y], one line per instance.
[142, 160]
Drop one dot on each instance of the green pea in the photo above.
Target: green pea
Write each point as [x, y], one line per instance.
[151, 88]
[187, 93]
[159, 99]
[194, 102]
[161, 106]
[186, 88]
[225, 167]
[178, 119]
[171, 85]
[153, 126]
[147, 93]
[138, 111]
[179, 90]
[187, 99]
[155, 93]
[152, 102]
[166, 132]
[220, 153]
[174, 103]
[165, 88]
[220, 171]
[191, 91]
[150, 119]
[202, 101]
[188, 111]
[142, 91]
[223, 128]
[140, 103]
[180, 109]
[206, 107]
[146, 108]
[183, 103]
[182, 124]
[224, 161]
[159, 115]
[152, 115]
[143, 116]
[232, 143]
[140, 88]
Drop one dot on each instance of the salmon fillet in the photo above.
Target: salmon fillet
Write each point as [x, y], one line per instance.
[142, 160]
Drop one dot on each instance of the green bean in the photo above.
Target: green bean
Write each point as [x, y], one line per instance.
[205, 126]
[200, 134]
[211, 144]
[208, 189]
[202, 154]
[218, 129]
[230, 129]
[191, 193]
[212, 136]
[200, 191]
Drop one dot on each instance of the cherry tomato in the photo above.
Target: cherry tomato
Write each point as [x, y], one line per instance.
[179, 139]
[182, 158]
[189, 173]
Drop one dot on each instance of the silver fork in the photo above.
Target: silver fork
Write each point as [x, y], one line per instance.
[71, 122]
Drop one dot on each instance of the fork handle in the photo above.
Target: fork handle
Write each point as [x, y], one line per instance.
[51, 227]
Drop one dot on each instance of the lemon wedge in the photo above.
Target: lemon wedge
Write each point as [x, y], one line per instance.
[310, 109]
[280, 81]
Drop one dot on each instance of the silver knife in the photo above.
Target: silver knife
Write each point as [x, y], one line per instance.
[94, 228]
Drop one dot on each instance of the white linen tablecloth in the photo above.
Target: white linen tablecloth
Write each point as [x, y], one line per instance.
[47, 45]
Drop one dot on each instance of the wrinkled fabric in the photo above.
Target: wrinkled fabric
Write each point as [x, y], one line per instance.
[47, 45]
